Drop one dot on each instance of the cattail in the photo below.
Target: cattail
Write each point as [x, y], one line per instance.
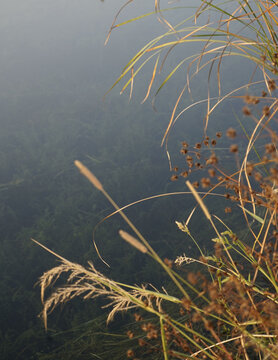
[87, 173]
[132, 241]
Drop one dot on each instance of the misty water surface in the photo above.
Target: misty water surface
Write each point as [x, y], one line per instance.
[54, 72]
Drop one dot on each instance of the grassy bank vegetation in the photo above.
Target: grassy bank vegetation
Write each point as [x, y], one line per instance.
[222, 304]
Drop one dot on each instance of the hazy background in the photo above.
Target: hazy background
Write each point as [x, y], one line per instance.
[54, 72]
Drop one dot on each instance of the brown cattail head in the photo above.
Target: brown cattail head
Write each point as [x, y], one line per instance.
[87, 173]
[133, 241]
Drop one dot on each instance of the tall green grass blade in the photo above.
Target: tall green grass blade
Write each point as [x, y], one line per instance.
[138, 70]
[163, 339]
[248, 137]
[254, 216]
[149, 14]
[168, 77]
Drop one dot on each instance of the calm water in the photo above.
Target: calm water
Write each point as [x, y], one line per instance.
[54, 71]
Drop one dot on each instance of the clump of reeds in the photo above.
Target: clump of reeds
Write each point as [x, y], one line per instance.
[228, 309]
[234, 312]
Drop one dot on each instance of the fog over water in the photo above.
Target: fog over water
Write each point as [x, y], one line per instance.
[50, 46]
[54, 72]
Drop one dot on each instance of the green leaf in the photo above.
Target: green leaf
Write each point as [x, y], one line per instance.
[254, 216]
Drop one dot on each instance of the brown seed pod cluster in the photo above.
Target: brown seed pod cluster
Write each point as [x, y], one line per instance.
[253, 184]
[271, 85]
[231, 133]
[251, 100]
[234, 299]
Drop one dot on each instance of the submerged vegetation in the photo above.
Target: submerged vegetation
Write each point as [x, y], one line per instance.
[221, 304]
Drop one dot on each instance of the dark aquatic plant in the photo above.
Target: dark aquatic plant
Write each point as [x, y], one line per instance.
[226, 304]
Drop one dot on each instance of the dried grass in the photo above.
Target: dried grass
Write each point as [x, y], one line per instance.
[229, 309]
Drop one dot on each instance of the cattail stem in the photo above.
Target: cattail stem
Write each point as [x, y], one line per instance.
[88, 174]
